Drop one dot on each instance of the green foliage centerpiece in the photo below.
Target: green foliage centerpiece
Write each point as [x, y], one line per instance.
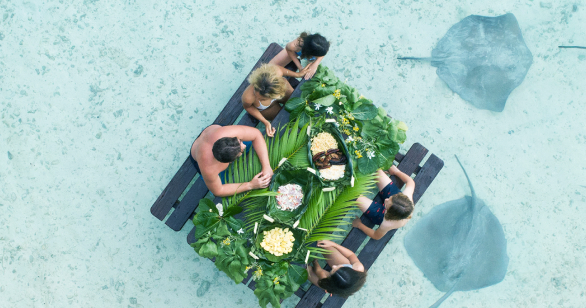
[270, 242]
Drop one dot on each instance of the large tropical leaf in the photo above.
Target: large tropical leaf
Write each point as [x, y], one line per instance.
[326, 211]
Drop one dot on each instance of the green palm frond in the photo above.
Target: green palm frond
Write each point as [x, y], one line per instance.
[326, 212]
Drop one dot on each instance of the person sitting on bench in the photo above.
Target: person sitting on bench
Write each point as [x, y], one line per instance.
[267, 90]
[227, 143]
[347, 275]
[396, 209]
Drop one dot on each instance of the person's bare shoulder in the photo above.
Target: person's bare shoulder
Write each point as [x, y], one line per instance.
[293, 45]
[387, 225]
[247, 97]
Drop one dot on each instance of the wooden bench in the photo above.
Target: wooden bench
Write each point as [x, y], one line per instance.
[184, 209]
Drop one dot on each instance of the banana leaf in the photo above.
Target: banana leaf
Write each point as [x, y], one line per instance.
[262, 253]
[288, 174]
[332, 129]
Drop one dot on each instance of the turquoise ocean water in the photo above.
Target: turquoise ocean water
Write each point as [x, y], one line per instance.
[100, 101]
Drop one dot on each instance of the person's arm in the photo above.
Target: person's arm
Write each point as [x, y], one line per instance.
[313, 67]
[246, 133]
[215, 185]
[290, 48]
[409, 183]
[287, 73]
[351, 256]
[249, 107]
[374, 234]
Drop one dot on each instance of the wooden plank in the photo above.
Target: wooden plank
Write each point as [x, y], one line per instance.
[174, 189]
[228, 115]
[428, 172]
[186, 207]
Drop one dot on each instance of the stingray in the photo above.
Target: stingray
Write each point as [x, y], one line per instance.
[459, 245]
[483, 59]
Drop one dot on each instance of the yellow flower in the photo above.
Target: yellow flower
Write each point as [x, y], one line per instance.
[226, 241]
[276, 280]
[356, 128]
[347, 132]
[323, 85]
[337, 94]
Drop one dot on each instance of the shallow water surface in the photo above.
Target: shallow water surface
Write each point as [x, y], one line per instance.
[100, 101]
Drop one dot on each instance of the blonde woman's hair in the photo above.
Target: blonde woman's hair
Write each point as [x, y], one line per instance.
[267, 82]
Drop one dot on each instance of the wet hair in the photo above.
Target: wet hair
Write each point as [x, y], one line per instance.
[401, 207]
[267, 82]
[343, 282]
[226, 149]
[314, 45]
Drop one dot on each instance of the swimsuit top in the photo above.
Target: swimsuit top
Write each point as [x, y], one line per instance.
[298, 53]
[262, 107]
[346, 265]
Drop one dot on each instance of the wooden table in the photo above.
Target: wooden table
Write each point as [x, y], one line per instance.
[178, 212]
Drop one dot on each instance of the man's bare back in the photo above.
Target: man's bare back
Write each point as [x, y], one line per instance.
[210, 166]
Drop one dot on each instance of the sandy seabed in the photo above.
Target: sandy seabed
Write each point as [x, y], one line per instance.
[100, 101]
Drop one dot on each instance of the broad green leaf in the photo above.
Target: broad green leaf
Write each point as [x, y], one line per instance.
[209, 250]
[365, 112]
[367, 166]
[294, 104]
[232, 210]
[235, 266]
[206, 204]
[382, 112]
[296, 274]
[222, 230]
[327, 100]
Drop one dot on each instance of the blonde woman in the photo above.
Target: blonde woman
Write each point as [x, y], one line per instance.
[267, 90]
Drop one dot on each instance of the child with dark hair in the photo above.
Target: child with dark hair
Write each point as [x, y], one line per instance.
[312, 47]
[394, 212]
[347, 274]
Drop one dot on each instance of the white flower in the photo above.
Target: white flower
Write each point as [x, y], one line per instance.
[220, 209]
[330, 110]
[370, 154]
[317, 106]
[337, 124]
[341, 103]
[240, 231]
[350, 139]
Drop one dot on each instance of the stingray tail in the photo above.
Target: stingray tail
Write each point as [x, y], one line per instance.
[581, 47]
[443, 298]
[468, 178]
[414, 58]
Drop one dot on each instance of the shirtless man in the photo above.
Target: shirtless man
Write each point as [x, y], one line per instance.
[396, 209]
[217, 146]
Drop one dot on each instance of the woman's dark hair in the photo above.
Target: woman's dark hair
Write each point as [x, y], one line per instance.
[401, 207]
[226, 149]
[314, 45]
[343, 282]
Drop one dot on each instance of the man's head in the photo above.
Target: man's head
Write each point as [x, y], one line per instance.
[227, 149]
[398, 207]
